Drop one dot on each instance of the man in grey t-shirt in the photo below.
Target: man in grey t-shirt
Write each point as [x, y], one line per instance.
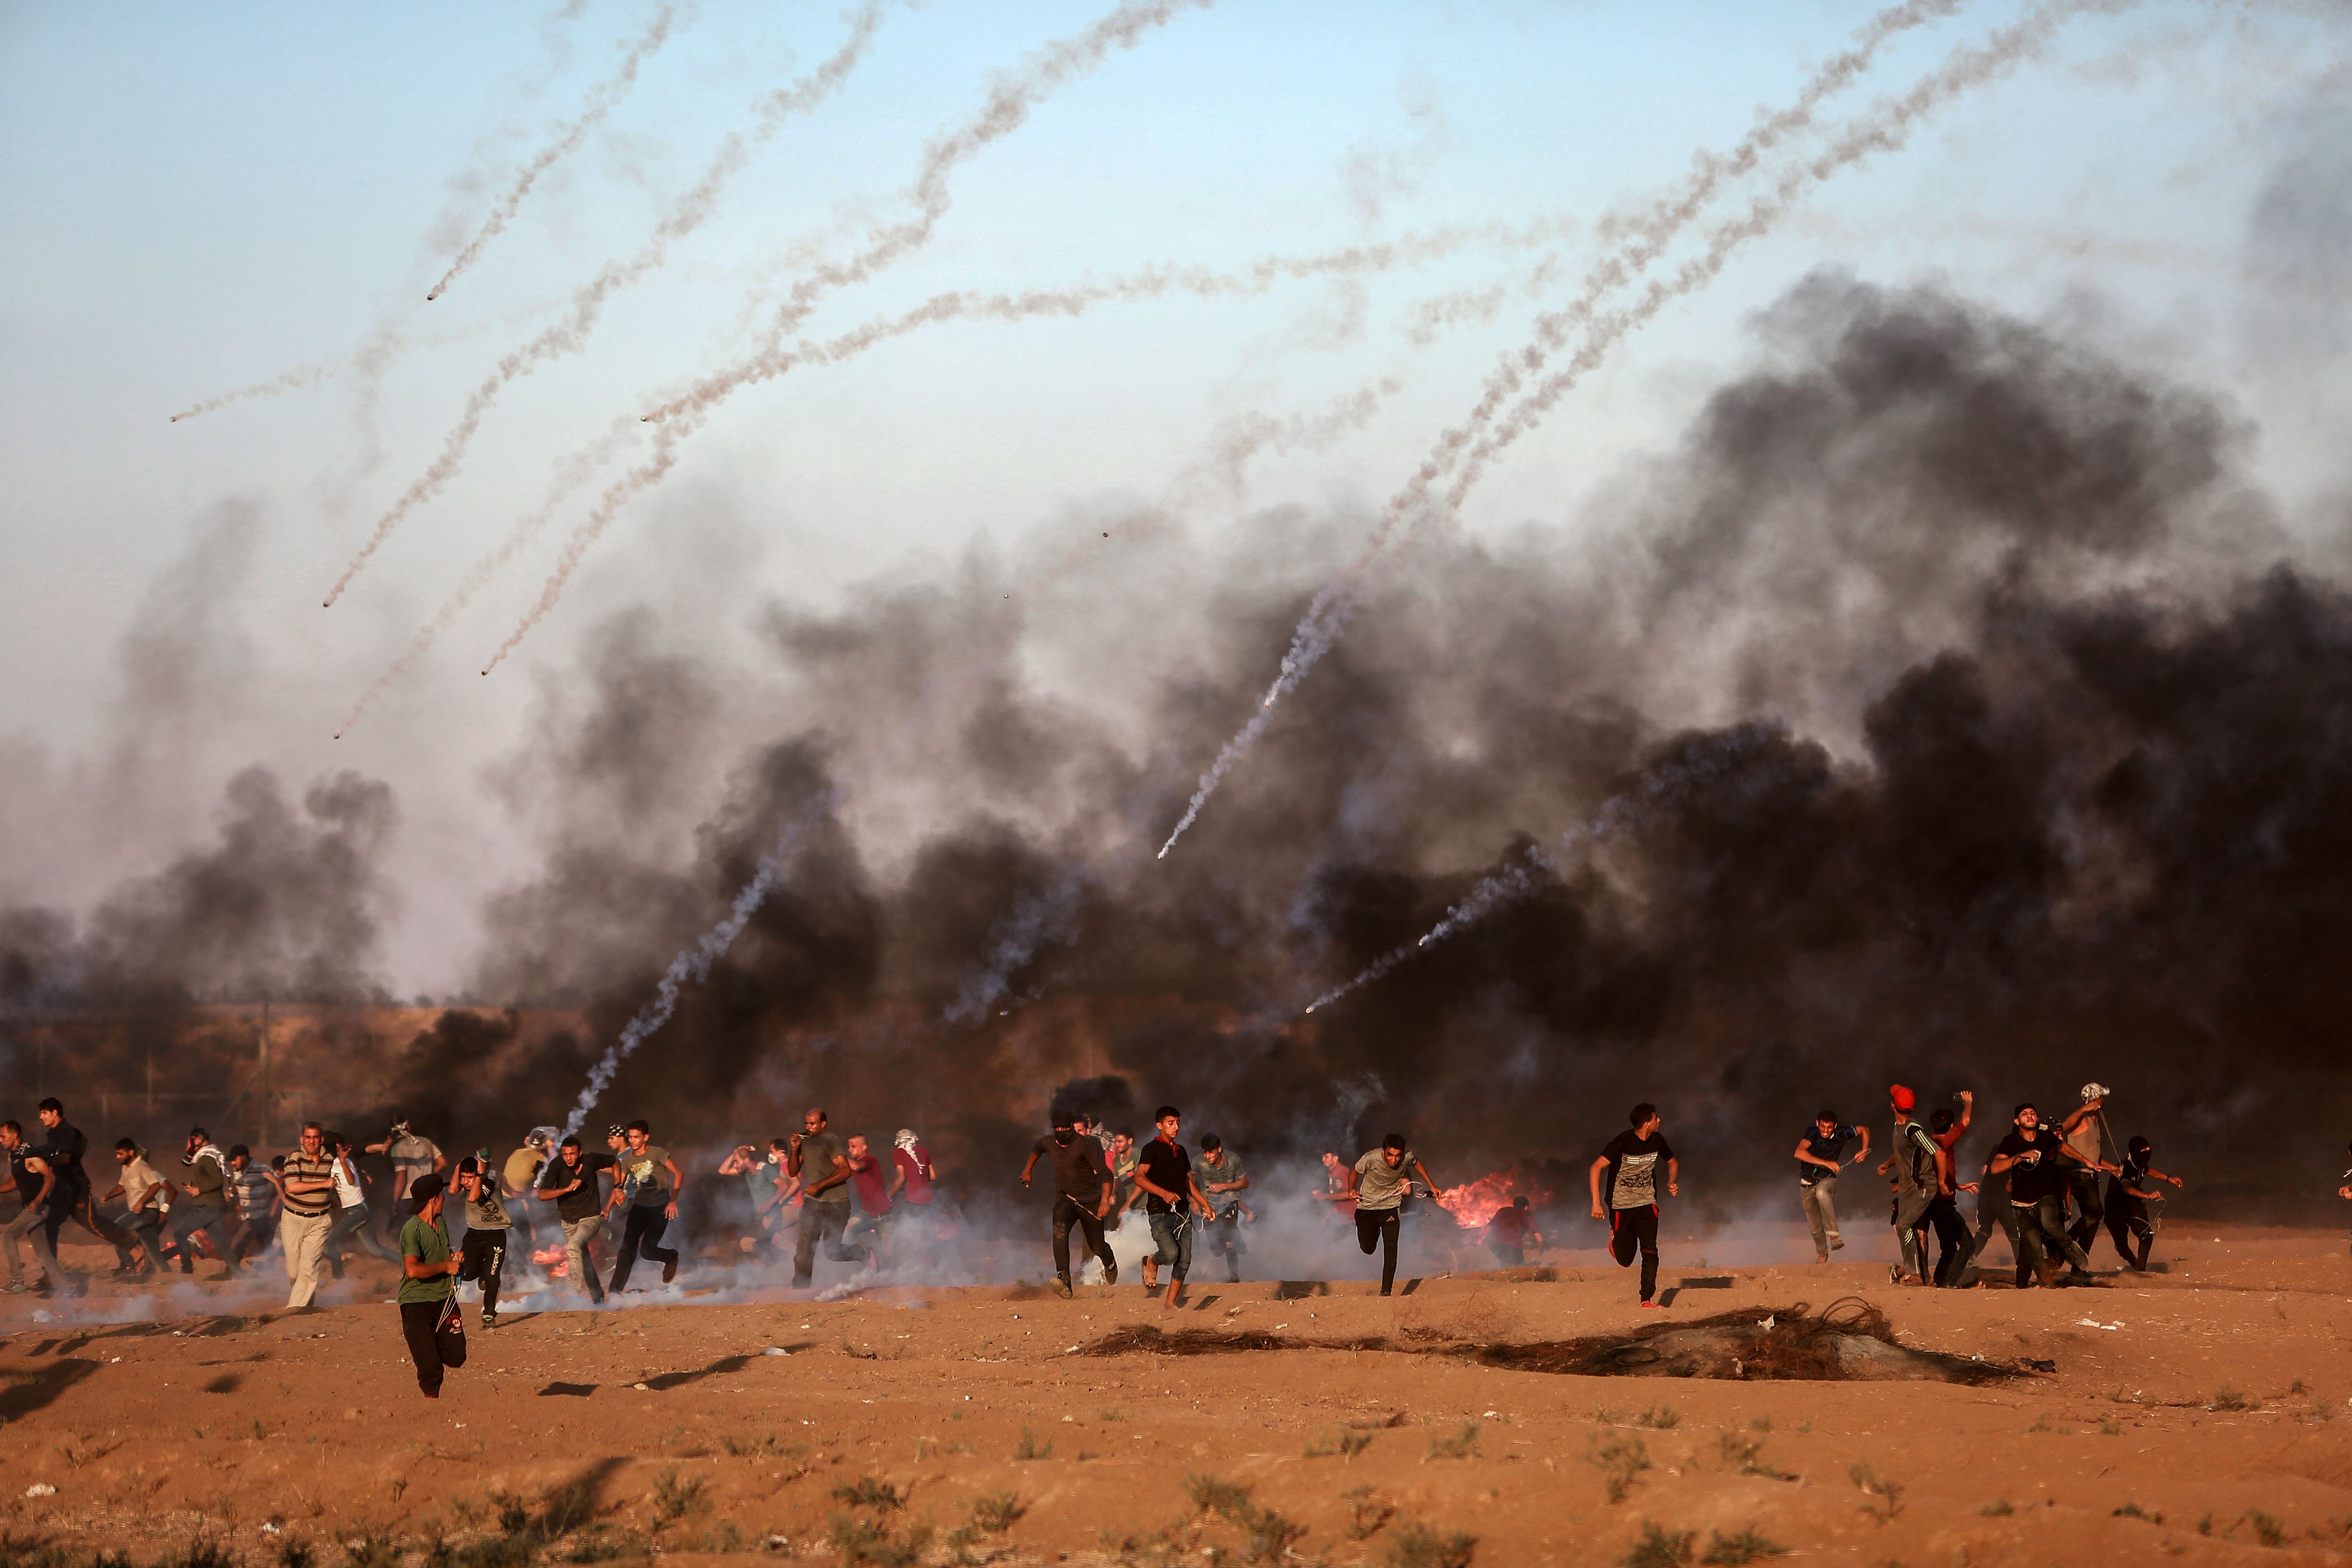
[1379, 1183]
[822, 1163]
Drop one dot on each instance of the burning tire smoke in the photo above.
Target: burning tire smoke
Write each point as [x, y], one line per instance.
[1464, 446]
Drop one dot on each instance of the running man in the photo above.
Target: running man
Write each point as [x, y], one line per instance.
[912, 1179]
[1631, 1161]
[38, 1186]
[412, 1157]
[309, 1184]
[483, 1253]
[2130, 1192]
[428, 1291]
[822, 1164]
[518, 1177]
[869, 1187]
[64, 1146]
[207, 1209]
[1339, 1188]
[1944, 1214]
[1082, 1197]
[255, 1188]
[1511, 1232]
[352, 1211]
[1918, 1168]
[138, 1217]
[650, 1180]
[1378, 1185]
[570, 1182]
[1163, 1173]
[1223, 1181]
[1816, 1169]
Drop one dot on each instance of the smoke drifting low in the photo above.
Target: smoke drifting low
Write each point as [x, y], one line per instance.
[1981, 732]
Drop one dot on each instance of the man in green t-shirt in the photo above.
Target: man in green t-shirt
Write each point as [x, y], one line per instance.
[428, 1291]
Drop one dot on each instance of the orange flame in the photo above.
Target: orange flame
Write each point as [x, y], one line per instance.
[554, 1259]
[1473, 1203]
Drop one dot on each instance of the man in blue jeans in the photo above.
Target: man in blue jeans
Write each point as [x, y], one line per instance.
[1163, 1173]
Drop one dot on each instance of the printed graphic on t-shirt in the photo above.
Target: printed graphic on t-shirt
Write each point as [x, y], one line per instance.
[1637, 1182]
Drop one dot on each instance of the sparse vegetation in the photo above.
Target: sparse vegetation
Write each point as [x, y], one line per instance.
[994, 1513]
[676, 1495]
[1030, 1447]
[1366, 1514]
[1999, 1508]
[1660, 1548]
[1886, 1495]
[863, 1543]
[1266, 1535]
[1761, 1423]
[1338, 1440]
[2111, 1428]
[1747, 1453]
[2269, 1532]
[2227, 1398]
[1418, 1546]
[1748, 1546]
[1462, 1445]
[2133, 1510]
[868, 1491]
[1620, 1461]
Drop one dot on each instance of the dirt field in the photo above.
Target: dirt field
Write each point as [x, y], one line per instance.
[2196, 1415]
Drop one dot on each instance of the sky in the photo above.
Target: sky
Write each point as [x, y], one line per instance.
[198, 201]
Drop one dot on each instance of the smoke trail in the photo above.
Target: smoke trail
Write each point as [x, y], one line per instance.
[300, 375]
[572, 471]
[681, 416]
[1657, 790]
[1883, 129]
[693, 965]
[1034, 921]
[602, 98]
[1010, 99]
[570, 334]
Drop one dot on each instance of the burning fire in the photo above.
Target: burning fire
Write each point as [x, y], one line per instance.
[1473, 1203]
[554, 1259]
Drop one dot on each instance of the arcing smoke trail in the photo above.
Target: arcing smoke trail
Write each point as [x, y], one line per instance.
[602, 98]
[1010, 99]
[571, 333]
[300, 375]
[1657, 790]
[1883, 127]
[682, 416]
[1034, 919]
[693, 965]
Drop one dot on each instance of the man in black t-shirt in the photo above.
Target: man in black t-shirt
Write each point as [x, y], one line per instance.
[570, 1181]
[1163, 1173]
[1630, 1164]
[1081, 1196]
[2029, 1157]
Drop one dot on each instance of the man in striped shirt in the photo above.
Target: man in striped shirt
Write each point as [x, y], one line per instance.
[257, 1204]
[309, 1187]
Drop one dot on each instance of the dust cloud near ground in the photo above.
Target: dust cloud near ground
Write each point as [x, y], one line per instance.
[2196, 1414]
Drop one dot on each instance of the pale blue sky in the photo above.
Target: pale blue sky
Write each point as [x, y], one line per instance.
[193, 199]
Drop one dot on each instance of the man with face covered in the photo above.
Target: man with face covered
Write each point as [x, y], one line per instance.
[1082, 1197]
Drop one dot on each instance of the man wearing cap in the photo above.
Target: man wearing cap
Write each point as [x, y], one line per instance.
[428, 1314]
[2081, 1152]
[1918, 1180]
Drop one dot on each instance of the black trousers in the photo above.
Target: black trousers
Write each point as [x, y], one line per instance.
[436, 1340]
[641, 1237]
[822, 1225]
[2128, 1225]
[1630, 1229]
[1067, 1212]
[485, 1256]
[1380, 1227]
[2083, 1183]
[1952, 1235]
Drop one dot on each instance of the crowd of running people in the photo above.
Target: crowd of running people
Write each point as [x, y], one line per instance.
[559, 1203]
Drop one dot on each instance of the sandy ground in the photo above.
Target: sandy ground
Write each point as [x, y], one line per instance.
[2196, 1415]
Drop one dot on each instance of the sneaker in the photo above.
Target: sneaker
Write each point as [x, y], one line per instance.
[14, 1288]
[670, 1271]
[489, 1318]
[1655, 1306]
[1836, 1242]
[1384, 1289]
[1821, 1258]
[1111, 1273]
[1062, 1286]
